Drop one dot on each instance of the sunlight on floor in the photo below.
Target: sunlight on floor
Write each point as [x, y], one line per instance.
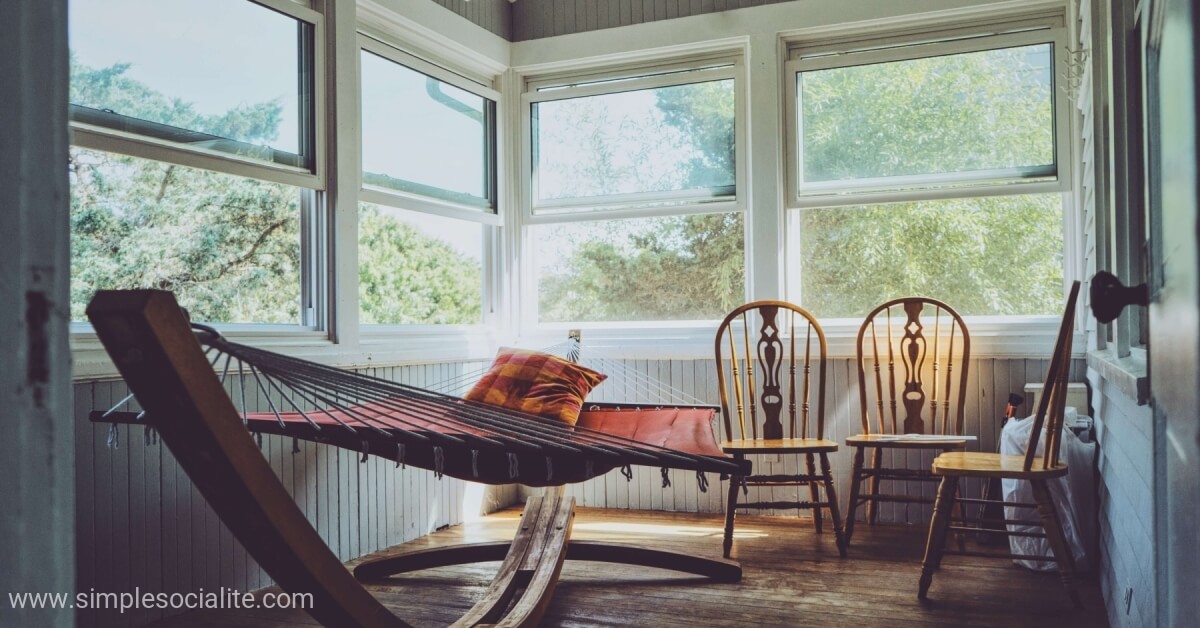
[660, 530]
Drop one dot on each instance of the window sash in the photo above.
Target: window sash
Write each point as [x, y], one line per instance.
[1019, 180]
[430, 198]
[98, 130]
[637, 204]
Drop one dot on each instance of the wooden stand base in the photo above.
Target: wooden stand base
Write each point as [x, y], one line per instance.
[533, 561]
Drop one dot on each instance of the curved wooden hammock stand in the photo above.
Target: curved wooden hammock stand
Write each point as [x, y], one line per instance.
[157, 353]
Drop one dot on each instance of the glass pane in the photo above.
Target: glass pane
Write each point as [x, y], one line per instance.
[974, 111]
[1000, 255]
[222, 74]
[644, 269]
[652, 140]
[423, 136]
[418, 269]
[229, 247]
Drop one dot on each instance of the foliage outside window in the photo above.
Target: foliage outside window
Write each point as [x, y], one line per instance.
[229, 246]
[972, 121]
[660, 149]
[417, 268]
[990, 255]
[644, 269]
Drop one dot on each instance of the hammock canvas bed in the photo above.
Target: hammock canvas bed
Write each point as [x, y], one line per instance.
[177, 372]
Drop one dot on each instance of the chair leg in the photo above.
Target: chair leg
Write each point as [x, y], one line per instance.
[815, 492]
[959, 537]
[873, 503]
[1058, 540]
[730, 507]
[855, 487]
[937, 532]
[831, 495]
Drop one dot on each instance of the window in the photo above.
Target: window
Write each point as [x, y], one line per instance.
[643, 146]
[429, 174]
[425, 136]
[184, 82]
[928, 169]
[194, 164]
[633, 207]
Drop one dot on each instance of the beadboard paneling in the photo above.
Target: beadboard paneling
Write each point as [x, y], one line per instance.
[1125, 494]
[989, 383]
[494, 15]
[141, 523]
[534, 19]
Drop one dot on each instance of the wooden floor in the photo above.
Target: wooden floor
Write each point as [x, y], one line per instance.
[792, 577]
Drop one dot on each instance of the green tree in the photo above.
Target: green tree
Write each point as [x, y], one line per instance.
[406, 277]
[681, 267]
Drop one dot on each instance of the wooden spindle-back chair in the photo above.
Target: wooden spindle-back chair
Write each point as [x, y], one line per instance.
[912, 355]
[775, 355]
[1037, 468]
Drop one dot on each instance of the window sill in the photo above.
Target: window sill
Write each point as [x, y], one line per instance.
[377, 347]
[1128, 374]
[1013, 338]
[991, 337]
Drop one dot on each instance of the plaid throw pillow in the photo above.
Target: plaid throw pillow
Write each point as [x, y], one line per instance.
[537, 383]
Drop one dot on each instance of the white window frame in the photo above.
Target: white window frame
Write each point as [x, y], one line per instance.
[490, 219]
[915, 44]
[426, 203]
[591, 80]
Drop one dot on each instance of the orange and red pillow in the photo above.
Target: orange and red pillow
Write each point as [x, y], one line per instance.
[537, 383]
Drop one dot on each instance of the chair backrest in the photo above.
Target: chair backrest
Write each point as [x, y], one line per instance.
[776, 361]
[1052, 403]
[913, 354]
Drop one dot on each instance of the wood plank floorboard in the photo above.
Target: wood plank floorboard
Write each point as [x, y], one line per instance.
[792, 577]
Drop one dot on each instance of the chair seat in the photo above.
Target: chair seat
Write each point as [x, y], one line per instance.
[888, 441]
[779, 445]
[988, 465]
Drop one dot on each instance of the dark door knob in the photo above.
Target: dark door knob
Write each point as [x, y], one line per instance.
[1110, 296]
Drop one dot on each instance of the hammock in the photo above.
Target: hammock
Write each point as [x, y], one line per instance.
[449, 435]
[178, 374]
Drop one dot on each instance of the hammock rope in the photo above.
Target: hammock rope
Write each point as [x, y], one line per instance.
[312, 401]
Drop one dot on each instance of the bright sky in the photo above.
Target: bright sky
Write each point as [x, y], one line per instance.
[409, 135]
[215, 54]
